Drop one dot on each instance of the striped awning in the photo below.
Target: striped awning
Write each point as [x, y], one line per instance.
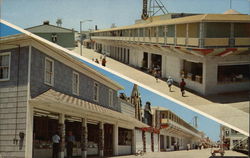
[63, 100]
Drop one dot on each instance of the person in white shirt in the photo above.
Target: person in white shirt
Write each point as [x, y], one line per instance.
[170, 82]
[56, 141]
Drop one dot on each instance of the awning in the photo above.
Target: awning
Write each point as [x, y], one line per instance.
[68, 102]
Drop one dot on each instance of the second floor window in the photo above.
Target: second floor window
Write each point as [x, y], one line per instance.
[75, 83]
[111, 97]
[96, 92]
[49, 71]
[4, 66]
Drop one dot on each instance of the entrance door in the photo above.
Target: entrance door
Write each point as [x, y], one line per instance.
[108, 140]
[145, 60]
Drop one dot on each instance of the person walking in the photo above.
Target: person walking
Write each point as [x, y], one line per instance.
[96, 60]
[170, 82]
[188, 147]
[182, 87]
[156, 75]
[56, 141]
[70, 144]
[104, 62]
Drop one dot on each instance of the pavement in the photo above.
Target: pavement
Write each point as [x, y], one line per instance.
[231, 110]
[204, 153]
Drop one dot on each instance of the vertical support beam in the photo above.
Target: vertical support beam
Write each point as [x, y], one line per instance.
[29, 116]
[175, 34]
[133, 142]
[149, 60]
[202, 34]
[29, 133]
[101, 139]
[165, 29]
[84, 138]
[115, 140]
[187, 34]
[164, 141]
[231, 41]
[62, 135]
[170, 142]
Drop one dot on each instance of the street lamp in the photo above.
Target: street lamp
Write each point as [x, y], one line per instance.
[81, 33]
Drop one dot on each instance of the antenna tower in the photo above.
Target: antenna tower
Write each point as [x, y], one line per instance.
[156, 6]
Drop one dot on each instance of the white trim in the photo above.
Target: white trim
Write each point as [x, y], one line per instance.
[9, 66]
[77, 86]
[29, 71]
[111, 98]
[52, 75]
[97, 95]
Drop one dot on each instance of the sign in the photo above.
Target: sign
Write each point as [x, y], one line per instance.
[144, 15]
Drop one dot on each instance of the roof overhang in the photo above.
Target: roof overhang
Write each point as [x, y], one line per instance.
[52, 99]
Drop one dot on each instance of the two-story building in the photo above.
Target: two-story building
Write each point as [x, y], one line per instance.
[175, 133]
[62, 36]
[211, 51]
[44, 89]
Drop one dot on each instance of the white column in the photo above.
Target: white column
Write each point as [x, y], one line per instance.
[62, 135]
[84, 138]
[115, 140]
[149, 60]
[133, 141]
[101, 137]
[29, 132]
[164, 141]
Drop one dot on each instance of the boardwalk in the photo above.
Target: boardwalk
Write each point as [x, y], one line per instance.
[204, 153]
[231, 109]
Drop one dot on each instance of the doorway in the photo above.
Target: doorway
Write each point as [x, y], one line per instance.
[108, 140]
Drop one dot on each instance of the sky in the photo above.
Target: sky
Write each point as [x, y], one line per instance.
[103, 13]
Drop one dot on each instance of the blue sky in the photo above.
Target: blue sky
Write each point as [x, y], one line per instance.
[27, 13]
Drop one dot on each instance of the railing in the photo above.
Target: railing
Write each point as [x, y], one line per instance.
[242, 41]
[216, 42]
[182, 41]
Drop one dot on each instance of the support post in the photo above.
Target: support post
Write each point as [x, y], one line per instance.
[62, 135]
[115, 140]
[101, 139]
[84, 138]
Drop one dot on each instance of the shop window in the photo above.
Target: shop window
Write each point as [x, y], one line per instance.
[4, 66]
[93, 132]
[49, 71]
[124, 136]
[192, 71]
[75, 83]
[233, 73]
[96, 92]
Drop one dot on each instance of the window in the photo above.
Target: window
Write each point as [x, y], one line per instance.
[75, 83]
[4, 66]
[124, 136]
[54, 38]
[96, 92]
[111, 97]
[49, 72]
